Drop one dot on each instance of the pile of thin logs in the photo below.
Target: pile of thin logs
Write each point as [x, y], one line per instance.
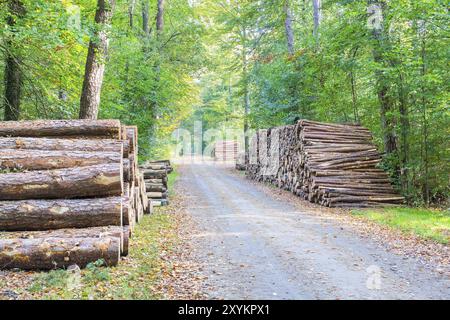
[155, 174]
[70, 192]
[226, 150]
[334, 165]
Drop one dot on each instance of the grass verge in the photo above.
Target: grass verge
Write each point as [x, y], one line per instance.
[426, 223]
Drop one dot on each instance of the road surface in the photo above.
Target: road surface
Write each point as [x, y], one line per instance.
[253, 246]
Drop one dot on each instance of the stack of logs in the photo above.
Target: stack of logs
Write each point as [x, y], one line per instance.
[70, 192]
[334, 165]
[155, 179]
[226, 150]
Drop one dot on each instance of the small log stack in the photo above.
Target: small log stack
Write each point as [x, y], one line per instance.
[334, 165]
[70, 192]
[226, 150]
[155, 176]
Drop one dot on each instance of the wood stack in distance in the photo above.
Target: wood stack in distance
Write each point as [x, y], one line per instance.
[226, 150]
[155, 178]
[333, 165]
[70, 192]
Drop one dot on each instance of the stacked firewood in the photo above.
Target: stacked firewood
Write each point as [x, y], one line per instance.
[333, 165]
[70, 192]
[226, 150]
[155, 175]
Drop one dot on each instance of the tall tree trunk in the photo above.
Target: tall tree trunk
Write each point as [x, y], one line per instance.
[95, 62]
[131, 7]
[316, 14]
[160, 17]
[157, 66]
[423, 72]
[246, 94]
[13, 72]
[386, 104]
[145, 17]
[404, 122]
[288, 27]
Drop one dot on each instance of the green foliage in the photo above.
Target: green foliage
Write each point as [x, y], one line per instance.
[212, 53]
[333, 78]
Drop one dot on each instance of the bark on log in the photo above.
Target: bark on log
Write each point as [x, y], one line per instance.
[48, 160]
[91, 232]
[48, 144]
[92, 181]
[60, 128]
[51, 253]
[58, 214]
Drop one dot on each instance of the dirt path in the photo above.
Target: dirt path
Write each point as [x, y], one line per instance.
[252, 246]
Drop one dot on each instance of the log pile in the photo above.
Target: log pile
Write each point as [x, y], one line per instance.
[333, 165]
[226, 150]
[155, 177]
[70, 192]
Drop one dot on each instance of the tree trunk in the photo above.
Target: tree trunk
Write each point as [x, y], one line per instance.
[51, 253]
[95, 62]
[13, 72]
[246, 94]
[131, 7]
[122, 233]
[29, 215]
[145, 17]
[288, 27]
[44, 144]
[30, 160]
[386, 105]
[62, 128]
[93, 181]
[160, 17]
[316, 15]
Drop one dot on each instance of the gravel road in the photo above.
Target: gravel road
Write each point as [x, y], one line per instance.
[253, 246]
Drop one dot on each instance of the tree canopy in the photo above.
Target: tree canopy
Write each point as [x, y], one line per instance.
[383, 64]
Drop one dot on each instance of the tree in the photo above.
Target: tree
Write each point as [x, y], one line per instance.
[379, 48]
[95, 62]
[316, 14]
[288, 27]
[13, 72]
[160, 17]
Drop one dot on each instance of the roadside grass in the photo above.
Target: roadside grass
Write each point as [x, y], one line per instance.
[426, 223]
[172, 178]
[135, 278]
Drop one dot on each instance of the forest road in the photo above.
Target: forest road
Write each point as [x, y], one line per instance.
[253, 246]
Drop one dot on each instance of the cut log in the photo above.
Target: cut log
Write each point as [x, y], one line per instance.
[92, 181]
[126, 240]
[61, 128]
[155, 188]
[154, 174]
[52, 253]
[46, 144]
[48, 160]
[58, 214]
[91, 232]
[157, 195]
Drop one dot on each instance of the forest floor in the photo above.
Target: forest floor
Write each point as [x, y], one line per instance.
[253, 241]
